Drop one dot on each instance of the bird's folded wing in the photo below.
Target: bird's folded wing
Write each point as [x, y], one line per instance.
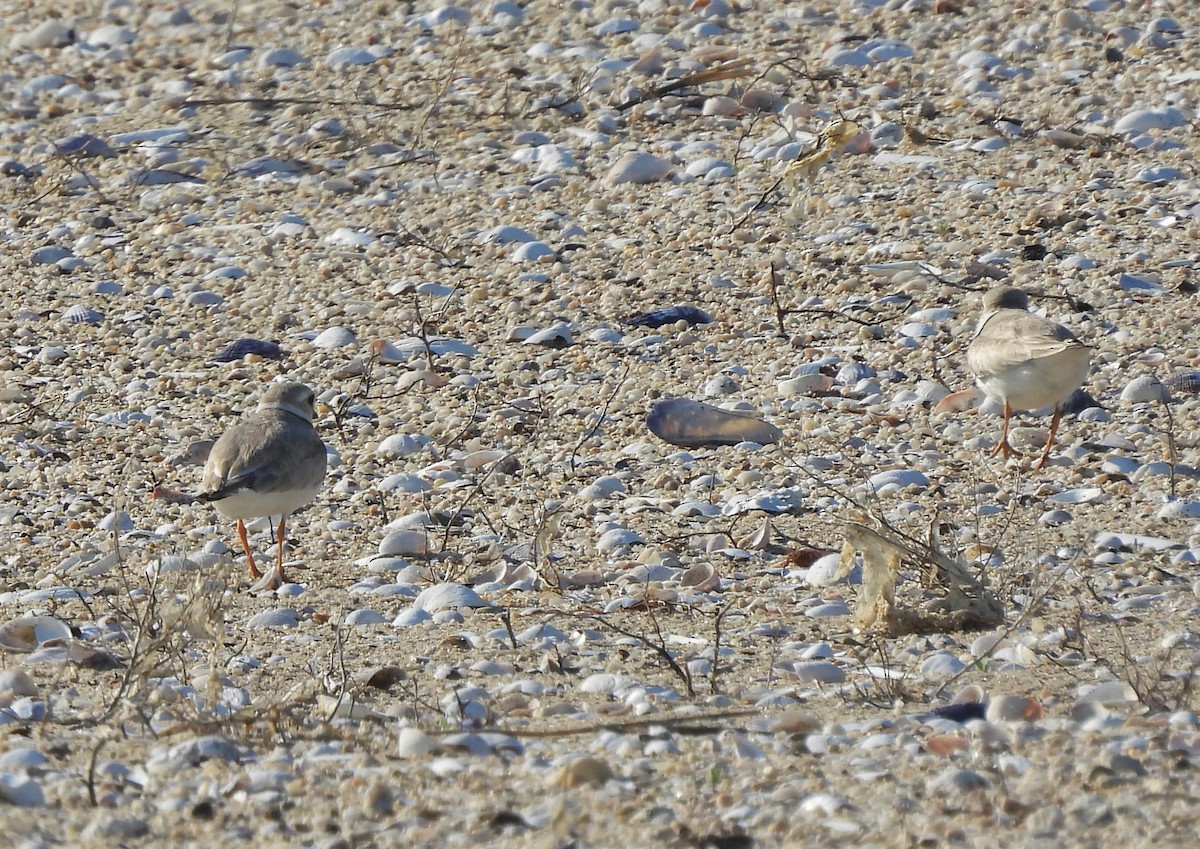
[1007, 344]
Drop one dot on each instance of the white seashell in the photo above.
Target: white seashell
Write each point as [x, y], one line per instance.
[1109, 541]
[824, 569]
[894, 479]
[1146, 388]
[118, 521]
[532, 252]
[410, 617]
[446, 597]
[1109, 693]
[480, 459]
[403, 444]
[618, 538]
[804, 384]
[350, 56]
[404, 482]
[1143, 120]
[1081, 495]
[278, 617]
[364, 617]
[955, 780]
[721, 384]
[984, 645]
[334, 337]
[404, 543]
[27, 633]
[414, 743]
[940, 664]
[79, 314]
[825, 611]
[700, 576]
[1180, 509]
[638, 167]
[1130, 283]
[110, 35]
[605, 683]
[505, 235]
[602, 487]
[687, 423]
[787, 500]
[1008, 708]
[21, 791]
[1159, 175]
[819, 672]
[558, 336]
[917, 330]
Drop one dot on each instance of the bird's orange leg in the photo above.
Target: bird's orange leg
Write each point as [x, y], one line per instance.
[241, 526]
[1050, 439]
[1003, 448]
[274, 578]
[279, 541]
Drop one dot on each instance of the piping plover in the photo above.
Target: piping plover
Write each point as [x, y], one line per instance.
[270, 463]
[1024, 361]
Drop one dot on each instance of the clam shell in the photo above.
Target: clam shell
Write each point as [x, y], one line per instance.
[558, 336]
[279, 617]
[638, 167]
[692, 424]
[334, 337]
[446, 597]
[404, 543]
[29, 632]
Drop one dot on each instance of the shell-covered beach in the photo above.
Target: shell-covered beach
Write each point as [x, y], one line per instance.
[511, 246]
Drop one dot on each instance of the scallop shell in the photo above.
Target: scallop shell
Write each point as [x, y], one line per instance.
[29, 632]
[1187, 381]
[79, 314]
[692, 424]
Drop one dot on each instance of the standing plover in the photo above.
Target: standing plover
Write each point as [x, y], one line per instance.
[270, 463]
[1024, 361]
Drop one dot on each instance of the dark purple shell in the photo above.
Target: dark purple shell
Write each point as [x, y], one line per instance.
[670, 315]
[963, 712]
[83, 145]
[239, 348]
[1184, 381]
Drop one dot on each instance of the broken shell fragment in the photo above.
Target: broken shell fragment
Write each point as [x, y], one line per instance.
[28, 633]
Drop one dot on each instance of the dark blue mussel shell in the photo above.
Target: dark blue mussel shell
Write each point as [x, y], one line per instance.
[239, 348]
[670, 315]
